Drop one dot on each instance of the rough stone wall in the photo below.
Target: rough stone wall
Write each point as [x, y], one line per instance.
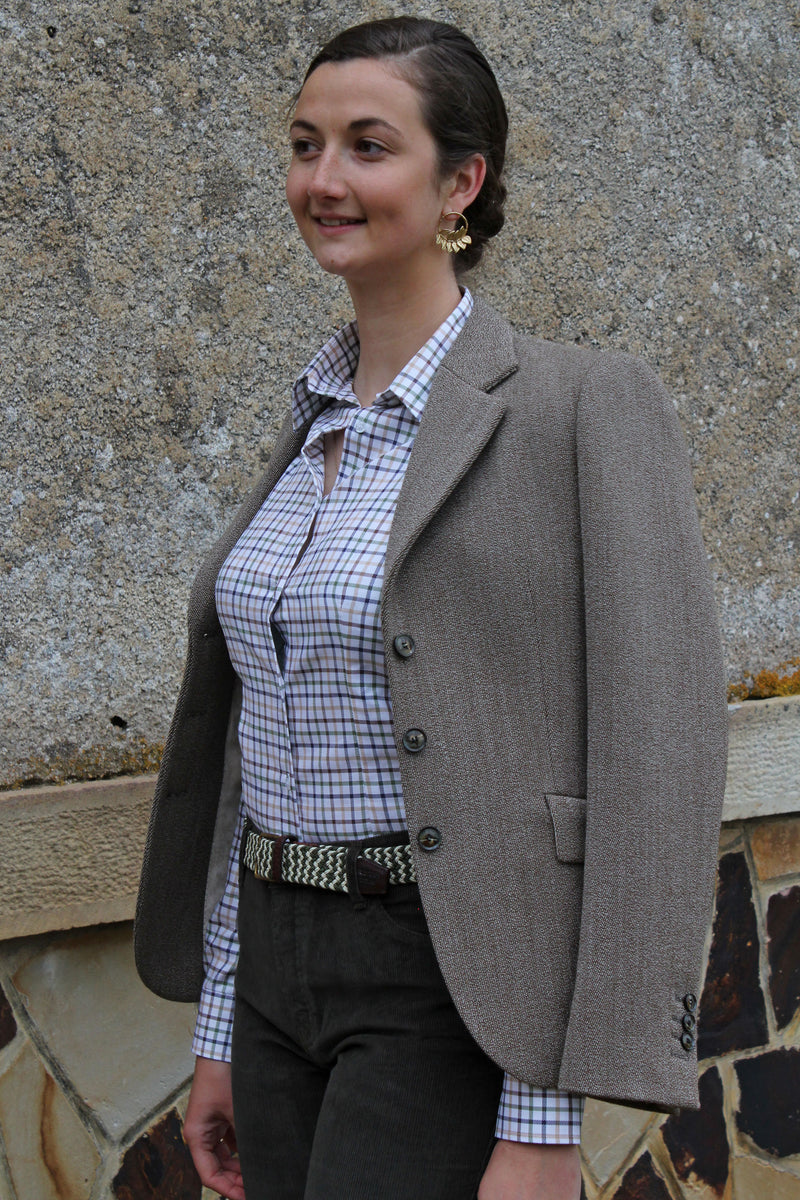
[156, 302]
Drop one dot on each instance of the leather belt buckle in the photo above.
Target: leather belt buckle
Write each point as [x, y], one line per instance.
[372, 877]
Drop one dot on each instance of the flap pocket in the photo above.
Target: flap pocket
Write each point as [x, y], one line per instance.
[568, 814]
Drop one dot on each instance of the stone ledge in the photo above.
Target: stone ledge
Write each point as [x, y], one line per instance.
[763, 758]
[72, 853]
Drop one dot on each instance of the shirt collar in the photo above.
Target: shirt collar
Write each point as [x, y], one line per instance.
[329, 375]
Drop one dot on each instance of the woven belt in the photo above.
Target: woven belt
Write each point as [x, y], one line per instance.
[335, 868]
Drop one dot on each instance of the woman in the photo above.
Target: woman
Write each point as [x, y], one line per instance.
[466, 616]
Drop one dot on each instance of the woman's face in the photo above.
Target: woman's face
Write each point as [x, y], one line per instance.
[364, 185]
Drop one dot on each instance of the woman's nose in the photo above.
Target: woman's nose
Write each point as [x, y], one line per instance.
[327, 178]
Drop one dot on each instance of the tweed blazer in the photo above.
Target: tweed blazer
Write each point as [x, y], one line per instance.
[545, 557]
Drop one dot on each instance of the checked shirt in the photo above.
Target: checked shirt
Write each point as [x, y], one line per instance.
[299, 602]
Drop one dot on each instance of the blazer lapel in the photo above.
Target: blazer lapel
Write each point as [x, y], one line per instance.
[460, 416]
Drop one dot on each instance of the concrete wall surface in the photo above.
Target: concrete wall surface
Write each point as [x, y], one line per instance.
[156, 302]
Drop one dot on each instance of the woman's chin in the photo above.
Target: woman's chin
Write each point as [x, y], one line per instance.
[331, 262]
[352, 272]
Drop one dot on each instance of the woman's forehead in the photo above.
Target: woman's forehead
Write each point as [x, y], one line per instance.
[359, 88]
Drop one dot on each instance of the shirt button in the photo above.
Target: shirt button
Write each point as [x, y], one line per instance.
[688, 1022]
[414, 740]
[429, 838]
[687, 1041]
[690, 1002]
[404, 645]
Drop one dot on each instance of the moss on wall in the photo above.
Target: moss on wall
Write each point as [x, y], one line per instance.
[782, 681]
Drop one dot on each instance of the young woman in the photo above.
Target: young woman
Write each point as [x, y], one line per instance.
[436, 825]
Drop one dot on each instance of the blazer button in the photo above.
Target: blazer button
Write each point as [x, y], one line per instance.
[429, 838]
[688, 1022]
[414, 740]
[687, 1041]
[690, 1002]
[404, 645]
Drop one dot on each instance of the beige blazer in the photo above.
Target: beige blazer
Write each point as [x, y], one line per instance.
[546, 560]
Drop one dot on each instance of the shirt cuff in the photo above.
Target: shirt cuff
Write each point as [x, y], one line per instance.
[545, 1116]
[214, 1025]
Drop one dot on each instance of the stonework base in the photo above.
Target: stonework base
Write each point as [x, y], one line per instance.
[94, 1070]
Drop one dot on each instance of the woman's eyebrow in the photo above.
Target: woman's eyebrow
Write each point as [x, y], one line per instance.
[364, 122]
[355, 126]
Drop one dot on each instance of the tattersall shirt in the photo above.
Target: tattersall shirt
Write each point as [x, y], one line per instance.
[299, 601]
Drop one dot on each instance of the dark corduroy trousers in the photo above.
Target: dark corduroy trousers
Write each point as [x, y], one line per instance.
[354, 1077]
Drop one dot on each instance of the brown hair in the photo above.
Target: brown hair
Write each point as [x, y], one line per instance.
[461, 103]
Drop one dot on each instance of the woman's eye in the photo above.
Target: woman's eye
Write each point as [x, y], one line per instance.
[369, 148]
[302, 147]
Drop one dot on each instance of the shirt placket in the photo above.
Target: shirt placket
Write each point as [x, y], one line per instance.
[373, 436]
[291, 821]
[313, 458]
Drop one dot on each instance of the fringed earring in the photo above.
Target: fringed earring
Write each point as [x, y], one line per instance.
[453, 240]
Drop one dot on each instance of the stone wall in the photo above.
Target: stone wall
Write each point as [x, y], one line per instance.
[156, 303]
[744, 1143]
[93, 1069]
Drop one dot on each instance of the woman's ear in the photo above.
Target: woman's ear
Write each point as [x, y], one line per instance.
[464, 184]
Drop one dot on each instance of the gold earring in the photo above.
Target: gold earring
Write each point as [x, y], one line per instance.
[453, 240]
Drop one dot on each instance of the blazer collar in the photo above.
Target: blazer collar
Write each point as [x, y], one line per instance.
[459, 419]
[484, 353]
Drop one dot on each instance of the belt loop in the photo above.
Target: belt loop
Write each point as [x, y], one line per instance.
[353, 855]
[246, 827]
[276, 858]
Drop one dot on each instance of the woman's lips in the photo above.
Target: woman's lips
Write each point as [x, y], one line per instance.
[337, 224]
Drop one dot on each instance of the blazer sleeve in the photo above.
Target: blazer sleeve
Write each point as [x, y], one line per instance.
[656, 746]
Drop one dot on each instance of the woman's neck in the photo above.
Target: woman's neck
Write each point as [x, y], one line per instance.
[393, 323]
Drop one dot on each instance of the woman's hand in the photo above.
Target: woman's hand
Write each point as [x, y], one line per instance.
[208, 1129]
[520, 1171]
